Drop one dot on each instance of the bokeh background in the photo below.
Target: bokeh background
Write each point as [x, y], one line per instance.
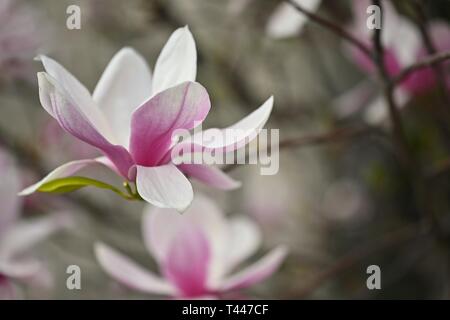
[340, 201]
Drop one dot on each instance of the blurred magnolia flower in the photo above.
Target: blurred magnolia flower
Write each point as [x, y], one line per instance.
[18, 237]
[18, 40]
[287, 21]
[196, 252]
[132, 117]
[398, 53]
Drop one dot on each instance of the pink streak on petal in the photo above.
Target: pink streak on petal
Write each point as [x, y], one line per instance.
[73, 120]
[154, 122]
[127, 272]
[424, 80]
[187, 262]
[228, 139]
[7, 291]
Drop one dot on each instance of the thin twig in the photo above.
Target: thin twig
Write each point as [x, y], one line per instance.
[324, 138]
[425, 63]
[423, 25]
[335, 135]
[388, 91]
[333, 27]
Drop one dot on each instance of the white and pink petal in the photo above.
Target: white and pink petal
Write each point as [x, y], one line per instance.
[177, 62]
[123, 87]
[154, 124]
[72, 119]
[130, 274]
[257, 272]
[164, 186]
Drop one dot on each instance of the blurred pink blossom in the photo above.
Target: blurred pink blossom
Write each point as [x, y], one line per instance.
[403, 47]
[196, 252]
[17, 237]
[18, 40]
[132, 116]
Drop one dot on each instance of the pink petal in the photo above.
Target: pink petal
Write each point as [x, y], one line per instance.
[187, 261]
[211, 176]
[391, 61]
[160, 227]
[153, 123]
[228, 139]
[424, 80]
[177, 62]
[73, 120]
[398, 53]
[164, 186]
[62, 171]
[7, 289]
[129, 273]
[124, 85]
[74, 91]
[256, 272]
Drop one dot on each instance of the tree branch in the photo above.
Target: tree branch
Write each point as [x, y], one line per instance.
[430, 61]
[333, 27]
[388, 92]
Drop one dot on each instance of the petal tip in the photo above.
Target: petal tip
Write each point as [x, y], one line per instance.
[24, 192]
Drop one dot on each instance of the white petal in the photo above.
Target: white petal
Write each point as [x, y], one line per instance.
[77, 93]
[177, 61]
[124, 85]
[256, 272]
[129, 273]
[20, 269]
[245, 240]
[164, 186]
[62, 171]
[286, 21]
[234, 136]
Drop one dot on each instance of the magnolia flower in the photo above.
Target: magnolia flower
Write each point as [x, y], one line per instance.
[398, 54]
[287, 21]
[195, 253]
[18, 40]
[132, 117]
[18, 237]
